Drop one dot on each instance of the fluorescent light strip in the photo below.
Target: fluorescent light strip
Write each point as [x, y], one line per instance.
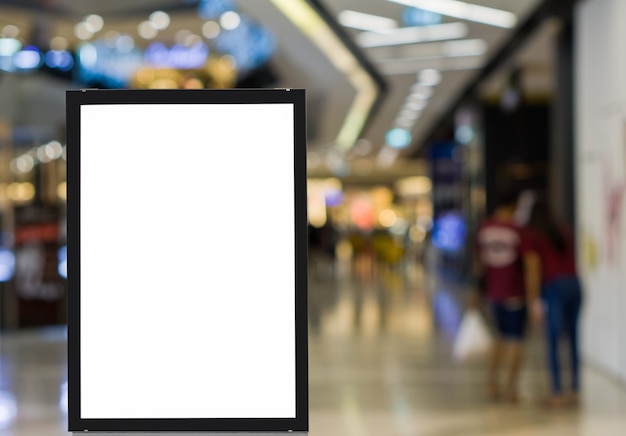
[362, 21]
[395, 68]
[305, 18]
[386, 156]
[465, 47]
[412, 35]
[465, 11]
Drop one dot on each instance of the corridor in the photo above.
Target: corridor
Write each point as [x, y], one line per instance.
[380, 365]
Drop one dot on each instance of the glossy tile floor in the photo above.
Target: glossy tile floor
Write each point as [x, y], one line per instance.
[380, 365]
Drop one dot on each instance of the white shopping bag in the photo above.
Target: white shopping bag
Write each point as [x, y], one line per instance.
[473, 338]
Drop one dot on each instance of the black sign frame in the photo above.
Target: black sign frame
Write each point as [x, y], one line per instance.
[75, 99]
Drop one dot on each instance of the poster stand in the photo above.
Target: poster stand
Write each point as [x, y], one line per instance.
[187, 262]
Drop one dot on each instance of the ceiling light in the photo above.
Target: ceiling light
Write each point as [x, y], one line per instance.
[408, 114]
[404, 123]
[160, 20]
[412, 35]
[430, 50]
[435, 57]
[465, 11]
[317, 30]
[421, 92]
[429, 77]
[230, 20]
[467, 47]
[420, 17]
[415, 105]
[83, 31]
[398, 138]
[147, 30]
[412, 66]
[95, 22]
[211, 29]
[10, 31]
[360, 20]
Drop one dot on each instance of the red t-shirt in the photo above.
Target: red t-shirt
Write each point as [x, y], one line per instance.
[553, 263]
[499, 247]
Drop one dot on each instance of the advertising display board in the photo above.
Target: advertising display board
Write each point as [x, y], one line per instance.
[186, 261]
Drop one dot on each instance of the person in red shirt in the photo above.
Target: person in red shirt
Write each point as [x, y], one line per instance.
[499, 242]
[555, 291]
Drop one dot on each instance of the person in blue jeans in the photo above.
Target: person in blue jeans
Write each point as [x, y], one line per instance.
[554, 294]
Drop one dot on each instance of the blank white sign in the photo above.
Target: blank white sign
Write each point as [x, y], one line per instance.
[187, 261]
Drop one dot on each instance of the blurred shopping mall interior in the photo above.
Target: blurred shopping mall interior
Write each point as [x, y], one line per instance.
[420, 114]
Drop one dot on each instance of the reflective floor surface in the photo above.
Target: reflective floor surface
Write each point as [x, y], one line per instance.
[380, 365]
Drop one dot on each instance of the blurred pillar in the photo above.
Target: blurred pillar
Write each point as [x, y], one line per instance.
[8, 302]
[562, 189]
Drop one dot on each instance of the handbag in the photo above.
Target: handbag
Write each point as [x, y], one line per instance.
[473, 338]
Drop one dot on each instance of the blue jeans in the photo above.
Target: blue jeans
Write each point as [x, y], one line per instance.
[562, 298]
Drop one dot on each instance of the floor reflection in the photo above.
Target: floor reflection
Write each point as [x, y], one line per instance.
[380, 349]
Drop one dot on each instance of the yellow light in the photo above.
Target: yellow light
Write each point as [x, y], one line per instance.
[62, 190]
[333, 183]
[387, 218]
[58, 43]
[145, 76]
[417, 234]
[316, 203]
[163, 84]
[227, 62]
[413, 186]
[193, 83]
[382, 197]
[21, 191]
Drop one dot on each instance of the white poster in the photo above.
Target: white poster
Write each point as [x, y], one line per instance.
[187, 261]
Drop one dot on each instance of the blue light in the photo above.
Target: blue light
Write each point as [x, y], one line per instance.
[8, 409]
[333, 197]
[211, 9]
[250, 44]
[449, 231]
[9, 46]
[447, 311]
[108, 65]
[62, 256]
[420, 17]
[263, 44]
[178, 56]
[87, 56]
[464, 134]
[27, 59]
[7, 264]
[188, 57]
[398, 138]
[157, 54]
[59, 59]
[63, 398]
